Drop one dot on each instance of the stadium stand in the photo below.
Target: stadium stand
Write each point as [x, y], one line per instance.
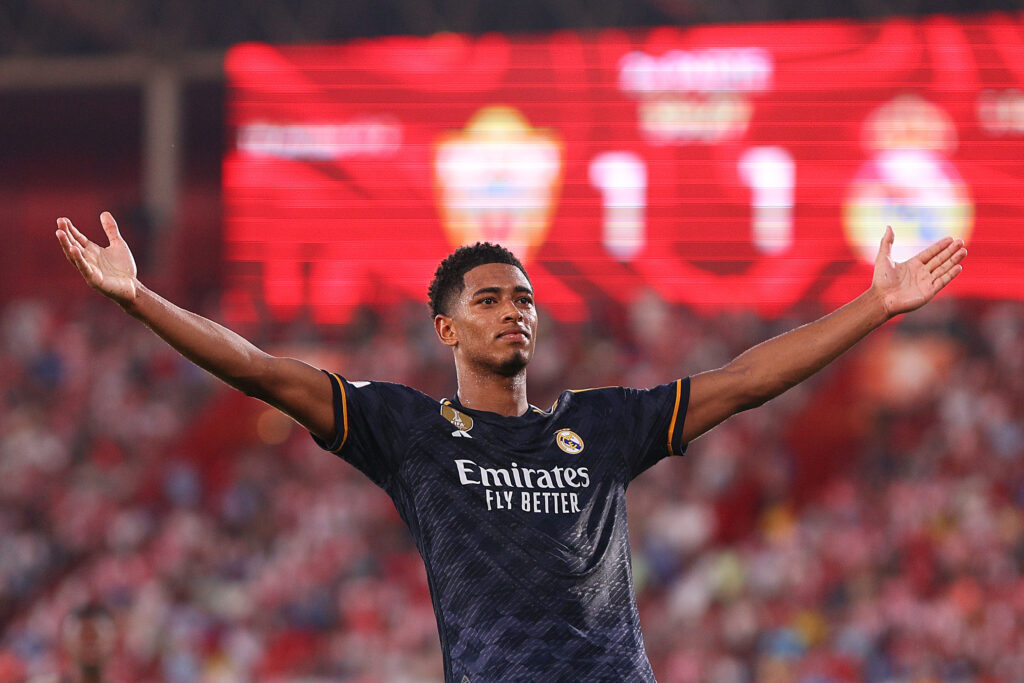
[866, 526]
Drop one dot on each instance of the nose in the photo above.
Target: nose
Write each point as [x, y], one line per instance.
[512, 312]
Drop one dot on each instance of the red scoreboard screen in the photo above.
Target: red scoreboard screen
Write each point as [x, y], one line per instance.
[747, 166]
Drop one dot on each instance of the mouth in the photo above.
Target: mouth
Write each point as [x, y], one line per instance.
[515, 334]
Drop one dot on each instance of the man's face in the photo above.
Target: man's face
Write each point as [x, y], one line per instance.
[89, 640]
[494, 321]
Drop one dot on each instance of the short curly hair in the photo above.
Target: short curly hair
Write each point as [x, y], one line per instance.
[449, 277]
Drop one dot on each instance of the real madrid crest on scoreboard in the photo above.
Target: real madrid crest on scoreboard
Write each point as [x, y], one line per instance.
[908, 182]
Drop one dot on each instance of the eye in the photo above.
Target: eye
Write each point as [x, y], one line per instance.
[526, 300]
[488, 300]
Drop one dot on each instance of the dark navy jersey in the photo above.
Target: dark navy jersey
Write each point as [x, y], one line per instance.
[521, 521]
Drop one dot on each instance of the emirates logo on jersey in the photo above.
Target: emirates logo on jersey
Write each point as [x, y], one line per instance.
[462, 422]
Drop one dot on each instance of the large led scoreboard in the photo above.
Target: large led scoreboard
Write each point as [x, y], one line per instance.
[748, 166]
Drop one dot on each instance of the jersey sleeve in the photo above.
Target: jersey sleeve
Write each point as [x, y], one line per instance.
[370, 426]
[656, 416]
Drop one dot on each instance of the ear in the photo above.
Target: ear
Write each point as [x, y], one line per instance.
[445, 328]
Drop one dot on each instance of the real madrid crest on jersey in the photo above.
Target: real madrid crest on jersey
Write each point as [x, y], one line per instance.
[569, 441]
[463, 423]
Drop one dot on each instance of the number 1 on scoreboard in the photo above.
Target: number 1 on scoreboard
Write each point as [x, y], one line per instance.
[621, 177]
[770, 174]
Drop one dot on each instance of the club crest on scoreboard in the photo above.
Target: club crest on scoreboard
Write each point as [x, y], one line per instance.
[908, 181]
[498, 180]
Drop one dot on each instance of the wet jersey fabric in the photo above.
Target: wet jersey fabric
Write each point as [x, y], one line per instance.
[521, 521]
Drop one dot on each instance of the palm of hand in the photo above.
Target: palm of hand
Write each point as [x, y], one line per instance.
[909, 285]
[110, 270]
[117, 269]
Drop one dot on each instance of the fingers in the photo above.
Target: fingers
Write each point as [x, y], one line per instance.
[949, 268]
[945, 279]
[76, 256]
[65, 241]
[951, 249]
[109, 226]
[945, 265]
[927, 254]
[76, 236]
[885, 248]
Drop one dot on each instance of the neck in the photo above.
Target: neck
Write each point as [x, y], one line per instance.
[493, 393]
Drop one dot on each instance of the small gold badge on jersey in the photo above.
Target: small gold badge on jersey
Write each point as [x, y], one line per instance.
[569, 441]
[462, 422]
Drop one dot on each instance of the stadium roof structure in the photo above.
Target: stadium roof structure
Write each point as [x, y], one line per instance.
[53, 27]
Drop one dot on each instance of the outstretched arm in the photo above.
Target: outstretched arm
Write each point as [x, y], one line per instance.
[297, 389]
[768, 369]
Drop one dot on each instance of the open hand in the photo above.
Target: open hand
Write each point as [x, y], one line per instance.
[110, 270]
[909, 285]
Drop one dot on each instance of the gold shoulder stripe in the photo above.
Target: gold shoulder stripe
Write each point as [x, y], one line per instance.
[675, 414]
[344, 413]
[580, 391]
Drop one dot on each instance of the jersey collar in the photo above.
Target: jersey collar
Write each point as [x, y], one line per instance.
[457, 404]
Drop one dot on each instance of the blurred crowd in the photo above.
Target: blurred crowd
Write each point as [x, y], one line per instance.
[865, 526]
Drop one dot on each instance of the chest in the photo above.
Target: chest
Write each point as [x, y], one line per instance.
[549, 471]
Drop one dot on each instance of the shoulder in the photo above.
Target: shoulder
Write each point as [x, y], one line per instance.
[617, 396]
[588, 398]
[382, 395]
[377, 387]
[390, 389]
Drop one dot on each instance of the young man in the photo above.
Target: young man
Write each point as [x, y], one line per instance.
[519, 513]
[88, 641]
[90, 636]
